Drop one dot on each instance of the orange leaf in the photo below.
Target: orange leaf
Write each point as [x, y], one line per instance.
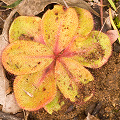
[59, 27]
[70, 77]
[31, 97]
[24, 57]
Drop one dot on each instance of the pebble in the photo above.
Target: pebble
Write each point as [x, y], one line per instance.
[70, 108]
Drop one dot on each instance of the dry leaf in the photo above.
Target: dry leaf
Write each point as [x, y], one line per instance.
[4, 42]
[91, 117]
[34, 7]
[11, 106]
[2, 86]
[4, 83]
[113, 35]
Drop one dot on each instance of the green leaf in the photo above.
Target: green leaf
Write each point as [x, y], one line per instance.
[13, 5]
[85, 22]
[112, 4]
[25, 28]
[117, 22]
[92, 51]
[55, 104]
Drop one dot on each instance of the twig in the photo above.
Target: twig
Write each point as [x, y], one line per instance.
[8, 21]
[4, 10]
[2, 19]
[26, 114]
[7, 24]
[118, 7]
[7, 116]
[100, 5]
[65, 4]
[102, 27]
[101, 12]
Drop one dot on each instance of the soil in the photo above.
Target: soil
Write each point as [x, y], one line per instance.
[105, 104]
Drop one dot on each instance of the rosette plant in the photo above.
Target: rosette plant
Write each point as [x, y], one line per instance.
[48, 56]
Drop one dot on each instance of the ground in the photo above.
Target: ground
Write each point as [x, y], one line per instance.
[105, 103]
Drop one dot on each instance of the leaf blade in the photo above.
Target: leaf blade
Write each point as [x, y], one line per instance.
[24, 57]
[55, 104]
[92, 51]
[71, 77]
[112, 4]
[64, 82]
[60, 26]
[14, 4]
[85, 23]
[41, 95]
[26, 28]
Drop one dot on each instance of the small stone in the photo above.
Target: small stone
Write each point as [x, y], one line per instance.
[90, 108]
[107, 109]
[91, 117]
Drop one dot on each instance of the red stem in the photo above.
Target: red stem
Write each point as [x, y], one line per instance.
[101, 12]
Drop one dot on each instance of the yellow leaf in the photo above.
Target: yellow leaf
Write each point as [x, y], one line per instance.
[24, 57]
[59, 27]
[26, 28]
[31, 97]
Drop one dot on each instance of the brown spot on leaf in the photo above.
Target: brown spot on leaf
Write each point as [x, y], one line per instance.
[29, 65]
[39, 29]
[85, 80]
[16, 66]
[56, 13]
[32, 38]
[56, 18]
[95, 54]
[25, 37]
[38, 62]
[58, 80]
[44, 88]
[64, 8]
[78, 15]
[48, 36]
[70, 87]
[80, 76]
